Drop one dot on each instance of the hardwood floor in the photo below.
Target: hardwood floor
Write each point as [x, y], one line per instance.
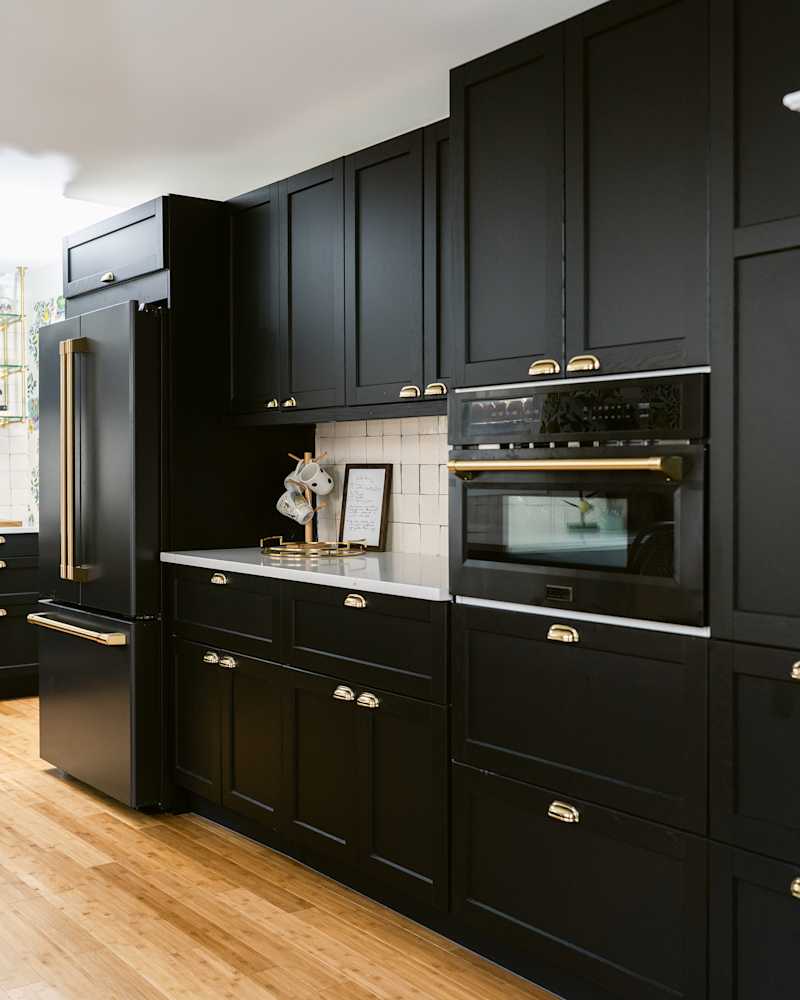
[98, 901]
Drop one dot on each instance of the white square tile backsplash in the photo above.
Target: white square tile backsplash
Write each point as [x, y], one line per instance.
[417, 449]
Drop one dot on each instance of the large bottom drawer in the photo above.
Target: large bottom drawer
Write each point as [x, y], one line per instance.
[617, 901]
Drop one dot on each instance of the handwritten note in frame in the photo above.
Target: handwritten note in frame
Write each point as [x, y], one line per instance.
[365, 505]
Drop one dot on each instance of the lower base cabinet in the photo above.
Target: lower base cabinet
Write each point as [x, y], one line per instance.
[618, 901]
[755, 926]
[18, 652]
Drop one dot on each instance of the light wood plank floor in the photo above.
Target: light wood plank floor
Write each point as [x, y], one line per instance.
[98, 902]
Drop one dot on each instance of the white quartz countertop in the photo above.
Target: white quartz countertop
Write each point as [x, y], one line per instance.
[398, 573]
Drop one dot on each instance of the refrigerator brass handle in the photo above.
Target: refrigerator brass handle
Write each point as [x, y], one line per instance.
[409, 392]
[796, 671]
[670, 466]
[219, 579]
[545, 366]
[108, 277]
[344, 693]
[563, 812]
[210, 657]
[102, 638]
[67, 349]
[794, 888]
[368, 700]
[436, 389]
[355, 601]
[563, 633]
[228, 662]
[583, 363]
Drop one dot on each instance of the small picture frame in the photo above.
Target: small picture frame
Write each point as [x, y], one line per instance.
[365, 504]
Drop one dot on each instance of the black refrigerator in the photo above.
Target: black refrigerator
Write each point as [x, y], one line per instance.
[100, 514]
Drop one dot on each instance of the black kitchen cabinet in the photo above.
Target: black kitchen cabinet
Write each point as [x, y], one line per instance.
[197, 704]
[256, 379]
[312, 288]
[565, 715]
[384, 319]
[439, 367]
[617, 901]
[636, 186]
[755, 738]
[18, 649]
[507, 136]
[754, 926]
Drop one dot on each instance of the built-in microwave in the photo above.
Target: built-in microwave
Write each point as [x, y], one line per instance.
[582, 496]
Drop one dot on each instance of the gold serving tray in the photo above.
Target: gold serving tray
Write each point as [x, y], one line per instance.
[274, 545]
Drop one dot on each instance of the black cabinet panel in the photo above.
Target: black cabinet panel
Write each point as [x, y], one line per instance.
[618, 901]
[755, 927]
[619, 717]
[395, 643]
[755, 740]
[767, 133]
[17, 637]
[755, 547]
[383, 269]
[637, 139]
[312, 286]
[438, 251]
[252, 736]
[197, 704]
[26, 544]
[18, 575]
[255, 335]
[507, 150]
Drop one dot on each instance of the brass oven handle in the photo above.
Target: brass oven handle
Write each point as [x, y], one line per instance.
[670, 466]
[368, 700]
[355, 601]
[219, 579]
[563, 812]
[103, 638]
[583, 363]
[67, 349]
[108, 277]
[436, 389]
[545, 366]
[228, 662]
[210, 657]
[344, 693]
[796, 671]
[563, 633]
[794, 888]
[410, 392]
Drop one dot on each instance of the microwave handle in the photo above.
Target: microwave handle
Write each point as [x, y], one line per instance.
[669, 466]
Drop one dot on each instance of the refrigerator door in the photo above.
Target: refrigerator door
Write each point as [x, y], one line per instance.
[100, 459]
[99, 696]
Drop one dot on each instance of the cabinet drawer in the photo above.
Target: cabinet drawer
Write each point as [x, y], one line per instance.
[395, 643]
[18, 545]
[17, 637]
[618, 717]
[755, 747]
[238, 612]
[754, 927]
[18, 575]
[126, 246]
[619, 902]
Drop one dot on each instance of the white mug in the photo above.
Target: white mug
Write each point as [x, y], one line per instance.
[311, 475]
[295, 506]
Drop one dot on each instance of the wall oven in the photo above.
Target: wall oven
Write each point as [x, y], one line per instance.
[582, 496]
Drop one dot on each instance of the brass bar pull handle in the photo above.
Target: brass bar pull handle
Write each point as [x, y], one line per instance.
[109, 276]
[436, 389]
[368, 700]
[67, 349]
[796, 671]
[344, 693]
[563, 812]
[545, 366]
[583, 363]
[410, 392]
[219, 579]
[210, 657]
[67, 628]
[228, 662]
[669, 466]
[563, 633]
[794, 888]
[355, 601]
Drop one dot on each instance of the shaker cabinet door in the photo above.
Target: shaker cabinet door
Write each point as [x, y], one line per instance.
[197, 703]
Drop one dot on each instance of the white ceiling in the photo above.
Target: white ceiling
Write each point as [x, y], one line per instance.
[212, 98]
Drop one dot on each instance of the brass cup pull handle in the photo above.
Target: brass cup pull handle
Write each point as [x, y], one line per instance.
[344, 693]
[794, 888]
[410, 392]
[436, 389]
[368, 700]
[102, 638]
[583, 363]
[563, 812]
[219, 579]
[210, 657]
[3, 612]
[2, 565]
[796, 671]
[108, 277]
[563, 633]
[2, 540]
[291, 401]
[545, 366]
[272, 404]
[355, 601]
[228, 662]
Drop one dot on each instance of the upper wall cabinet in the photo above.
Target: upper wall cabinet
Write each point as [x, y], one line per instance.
[507, 148]
[438, 249]
[384, 271]
[636, 188]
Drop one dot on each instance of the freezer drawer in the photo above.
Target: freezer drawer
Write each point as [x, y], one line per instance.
[99, 690]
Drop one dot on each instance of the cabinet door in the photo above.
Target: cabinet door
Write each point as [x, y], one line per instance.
[637, 140]
[402, 783]
[252, 737]
[321, 765]
[312, 287]
[255, 345]
[616, 901]
[754, 926]
[507, 132]
[755, 740]
[197, 696]
[755, 479]
[439, 361]
[383, 270]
